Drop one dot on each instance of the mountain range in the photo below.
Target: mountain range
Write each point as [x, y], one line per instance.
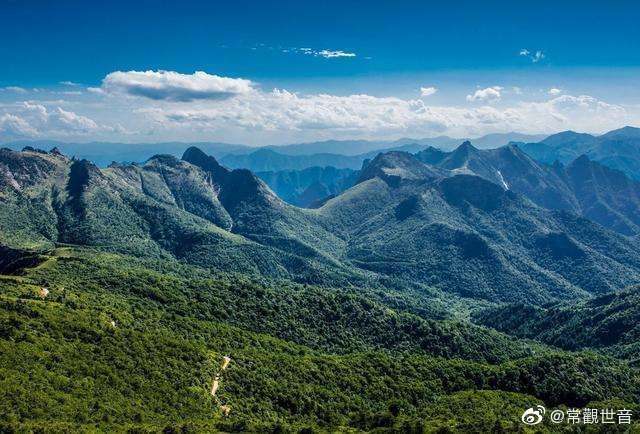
[617, 149]
[104, 153]
[583, 187]
[456, 231]
[433, 290]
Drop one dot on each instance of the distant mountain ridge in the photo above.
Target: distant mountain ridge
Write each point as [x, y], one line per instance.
[306, 187]
[618, 149]
[103, 153]
[583, 187]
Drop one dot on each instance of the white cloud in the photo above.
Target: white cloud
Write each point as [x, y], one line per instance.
[173, 86]
[32, 119]
[554, 91]
[96, 90]
[14, 89]
[535, 57]
[281, 113]
[16, 126]
[538, 56]
[327, 54]
[516, 90]
[487, 95]
[259, 116]
[427, 91]
[69, 83]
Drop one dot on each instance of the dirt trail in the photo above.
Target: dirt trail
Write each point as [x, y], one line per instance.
[215, 385]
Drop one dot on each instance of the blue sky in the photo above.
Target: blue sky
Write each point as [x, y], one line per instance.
[485, 66]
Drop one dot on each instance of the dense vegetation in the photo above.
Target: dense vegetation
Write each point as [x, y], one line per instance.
[124, 347]
[609, 323]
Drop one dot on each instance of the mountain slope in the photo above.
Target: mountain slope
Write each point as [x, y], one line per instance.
[305, 187]
[223, 219]
[405, 223]
[609, 323]
[584, 187]
[467, 235]
[617, 149]
[123, 288]
[117, 346]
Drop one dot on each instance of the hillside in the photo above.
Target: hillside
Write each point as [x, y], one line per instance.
[119, 343]
[466, 235]
[305, 187]
[480, 240]
[617, 149]
[608, 323]
[583, 187]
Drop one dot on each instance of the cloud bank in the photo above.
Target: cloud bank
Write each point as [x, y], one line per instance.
[165, 105]
[34, 120]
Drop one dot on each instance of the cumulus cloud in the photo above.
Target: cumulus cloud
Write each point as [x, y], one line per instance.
[324, 116]
[535, 57]
[16, 126]
[426, 91]
[554, 91]
[173, 86]
[487, 95]
[32, 119]
[258, 116]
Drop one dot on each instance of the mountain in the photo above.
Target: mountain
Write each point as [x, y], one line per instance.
[479, 240]
[306, 187]
[497, 140]
[617, 149]
[469, 236]
[123, 288]
[266, 160]
[583, 187]
[357, 147]
[104, 153]
[200, 212]
[360, 147]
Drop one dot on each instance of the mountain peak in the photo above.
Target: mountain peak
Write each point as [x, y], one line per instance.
[165, 159]
[207, 163]
[396, 166]
[466, 147]
[568, 138]
[466, 144]
[627, 132]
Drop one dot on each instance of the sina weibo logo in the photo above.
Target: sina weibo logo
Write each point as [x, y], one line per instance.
[533, 416]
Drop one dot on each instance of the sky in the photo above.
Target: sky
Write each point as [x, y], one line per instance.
[279, 72]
